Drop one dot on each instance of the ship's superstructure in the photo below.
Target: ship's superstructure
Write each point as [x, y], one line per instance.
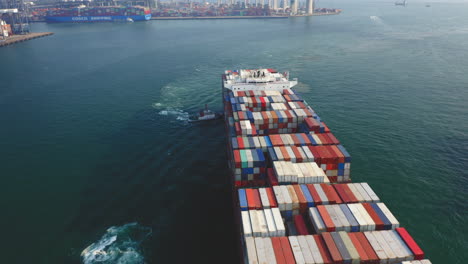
[257, 80]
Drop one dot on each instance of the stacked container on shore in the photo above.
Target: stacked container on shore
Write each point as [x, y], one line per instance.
[293, 196]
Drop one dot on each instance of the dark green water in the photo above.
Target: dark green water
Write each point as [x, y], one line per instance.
[93, 132]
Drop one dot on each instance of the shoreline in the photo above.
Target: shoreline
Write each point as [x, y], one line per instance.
[20, 38]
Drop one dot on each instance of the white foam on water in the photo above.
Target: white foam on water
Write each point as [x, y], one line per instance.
[157, 105]
[179, 114]
[119, 245]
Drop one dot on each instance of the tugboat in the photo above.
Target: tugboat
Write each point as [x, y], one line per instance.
[205, 115]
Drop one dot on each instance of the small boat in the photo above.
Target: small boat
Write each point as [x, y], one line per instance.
[205, 115]
[428, 5]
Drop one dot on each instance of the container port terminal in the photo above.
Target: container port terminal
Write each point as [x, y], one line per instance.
[14, 23]
[41, 10]
[293, 195]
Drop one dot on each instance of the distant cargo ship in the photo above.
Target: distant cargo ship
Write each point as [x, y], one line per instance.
[98, 14]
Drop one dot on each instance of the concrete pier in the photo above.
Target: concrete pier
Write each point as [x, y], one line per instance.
[20, 38]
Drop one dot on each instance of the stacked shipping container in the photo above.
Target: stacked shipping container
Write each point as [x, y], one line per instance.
[295, 202]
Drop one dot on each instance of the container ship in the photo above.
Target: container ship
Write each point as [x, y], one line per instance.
[293, 197]
[98, 14]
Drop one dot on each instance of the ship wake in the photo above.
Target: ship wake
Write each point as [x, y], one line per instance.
[119, 245]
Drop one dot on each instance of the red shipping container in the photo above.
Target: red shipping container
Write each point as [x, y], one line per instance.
[305, 138]
[287, 251]
[314, 194]
[265, 118]
[379, 224]
[276, 140]
[237, 158]
[326, 218]
[325, 156]
[317, 157]
[278, 249]
[357, 245]
[299, 158]
[327, 130]
[334, 252]
[300, 225]
[334, 195]
[339, 189]
[240, 142]
[272, 177]
[296, 140]
[336, 150]
[271, 197]
[285, 154]
[302, 200]
[349, 193]
[253, 199]
[323, 249]
[237, 126]
[413, 246]
[326, 190]
[333, 139]
[323, 139]
[373, 258]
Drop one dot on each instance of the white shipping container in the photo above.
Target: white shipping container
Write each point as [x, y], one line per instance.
[316, 220]
[261, 252]
[251, 250]
[400, 255]
[291, 154]
[377, 248]
[256, 232]
[279, 224]
[389, 215]
[321, 194]
[336, 221]
[314, 249]
[296, 249]
[308, 258]
[359, 218]
[270, 223]
[408, 253]
[364, 194]
[388, 251]
[247, 228]
[287, 198]
[279, 198]
[356, 193]
[371, 192]
[262, 223]
[310, 156]
[264, 198]
[367, 217]
[341, 216]
[270, 253]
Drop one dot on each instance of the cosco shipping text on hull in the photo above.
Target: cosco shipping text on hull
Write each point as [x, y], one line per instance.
[294, 201]
[96, 18]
